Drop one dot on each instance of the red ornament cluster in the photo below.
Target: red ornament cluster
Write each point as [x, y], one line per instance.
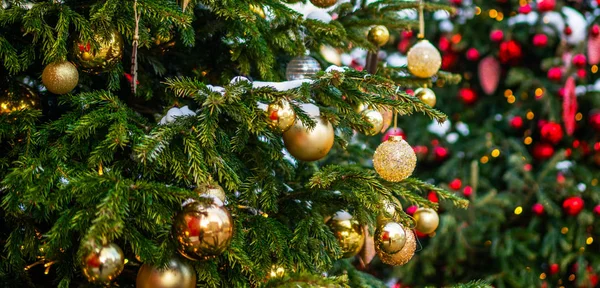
[579, 60]
[510, 52]
[552, 132]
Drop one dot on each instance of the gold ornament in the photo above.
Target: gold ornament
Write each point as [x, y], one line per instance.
[424, 60]
[103, 263]
[203, 230]
[177, 275]
[390, 238]
[108, 54]
[281, 115]
[389, 213]
[379, 35]
[426, 95]
[427, 220]
[211, 190]
[394, 159]
[309, 145]
[404, 255]
[375, 119]
[21, 98]
[388, 116]
[348, 232]
[276, 272]
[323, 3]
[60, 77]
[302, 67]
[331, 55]
[258, 10]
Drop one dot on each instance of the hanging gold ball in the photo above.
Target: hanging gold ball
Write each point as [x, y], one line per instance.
[427, 220]
[281, 115]
[404, 255]
[309, 145]
[108, 54]
[102, 264]
[203, 230]
[375, 119]
[348, 232]
[426, 95]
[177, 275]
[389, 212]
[211, 190]
[60, 77]
[424, 60]
[379, 35]
[388, 116]
[258, 10]
[390, 238]
[394, 159]
[302, 67]
[20, 98]
[323, 3]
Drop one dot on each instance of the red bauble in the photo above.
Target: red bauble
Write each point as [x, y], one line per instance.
[497, 35]
[410, 210]
[594, 120]
[560, 178]
[581, 73]
[421, 151]
[467, 95]
[455, 184]
[554, 268]
[542, 151]
[538, 209]
[440, 153]
[525, 9]
[573, 205]
[404, 45]
[420, 235]
[473, 54]
[527, 167]
[449, 60]
[407, 34]
[540, 40]
[444, 44]
[555, 74]
[510, 52]
[595, 31]
[516, 122]
[552, 132]
[456, 2]
[468, 191]
[568, 31]
[546, 5]
[433, 197]
[579, 60]
[393, 132]
[597, 210]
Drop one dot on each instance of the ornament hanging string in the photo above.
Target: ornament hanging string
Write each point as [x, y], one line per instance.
[136, 38]
[421, 21]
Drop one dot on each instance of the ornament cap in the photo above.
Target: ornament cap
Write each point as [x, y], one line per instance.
[395, 138]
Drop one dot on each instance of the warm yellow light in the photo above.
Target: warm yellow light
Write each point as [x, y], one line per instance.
[518, 210]
[528, 140]
[523, 2]
[539, 92]
[511, 99]
[578, 116]
[524, 95]
[564, 230]
[500, 16]
[507, 92]
[572, 277]
[477, 10]
[493, 13]
[542, 276]
[488, 243]
[530, 115]
[594, 69]
[589, 240]
[594, 182]
[484, 159]
[495, 153]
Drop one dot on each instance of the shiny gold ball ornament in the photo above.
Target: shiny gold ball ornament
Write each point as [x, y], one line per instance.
[404, 255]
[427, 220]
[424, 60]
[323, 3]
[426, 95]
[302, 67]
[211, 190]
[394, 160]
[379, 35]
[60, 77]
[102, 264]
[176, 275]
[309, 145]
[390, 238]
[374, 118]
[348, 232]
[281, 115]
[389, 212]
[108, 54]
[202, 230]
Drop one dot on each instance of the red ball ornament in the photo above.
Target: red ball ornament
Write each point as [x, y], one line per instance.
[527, 167]
[455, 184]
[410, 210]
[581, 73]
[456, 2]
[516, 122]
[546, 5]
[407, 34]
[473, 54]
[467, 191]
[595, 31]
[552, 132]
[542, 151]
[421, 151]
[597, 210]
[554, 268]
[467, 95]
[538, 209]
[540, 40]
[555, 74]
[560, 178]
[497, 35]
[393, 132]
[579, 60]
[568, 31]
[444, 44]
[404, 45]
[525, 9]
[449, 60]
[510, 52]
[573, 205]
[440, 153]
[432, 196]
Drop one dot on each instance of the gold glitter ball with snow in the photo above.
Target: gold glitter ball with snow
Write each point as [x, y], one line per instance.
[394, 159]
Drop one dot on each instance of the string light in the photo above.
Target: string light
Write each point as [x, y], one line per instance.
[578, 116]
[572, 277]
[477, 10]
[500, 16]
[530, 115]
[484, 159]
[518, 210]
[495, 153]
[542, 276]
[594, 69]
[508, 92]
[528, 140]
[594, 182]
[589, 240]
[511, 99]
[493, 13]
[564, 230]
[539, 92]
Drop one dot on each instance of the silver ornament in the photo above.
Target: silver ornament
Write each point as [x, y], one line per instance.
[302, 67]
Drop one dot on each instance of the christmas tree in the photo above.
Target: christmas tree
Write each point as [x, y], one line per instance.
[522, 144]
[143, 143]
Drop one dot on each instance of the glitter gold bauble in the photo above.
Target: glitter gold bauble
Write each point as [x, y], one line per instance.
[424, 60]
[323, 3]
[375, 119]
[302, 67]
[102, 264]
[281, 115]
[389, 212]
[379, 35]
[202, 230]
[211, 190]
[427, 220]
[60, 77]
[404, 255]
[348, 232]
[390, 238]
[394, 159]
[426, 95]
[258, 10]
[108, 54]
[19, 98]
[177, 274]
[309, 145]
